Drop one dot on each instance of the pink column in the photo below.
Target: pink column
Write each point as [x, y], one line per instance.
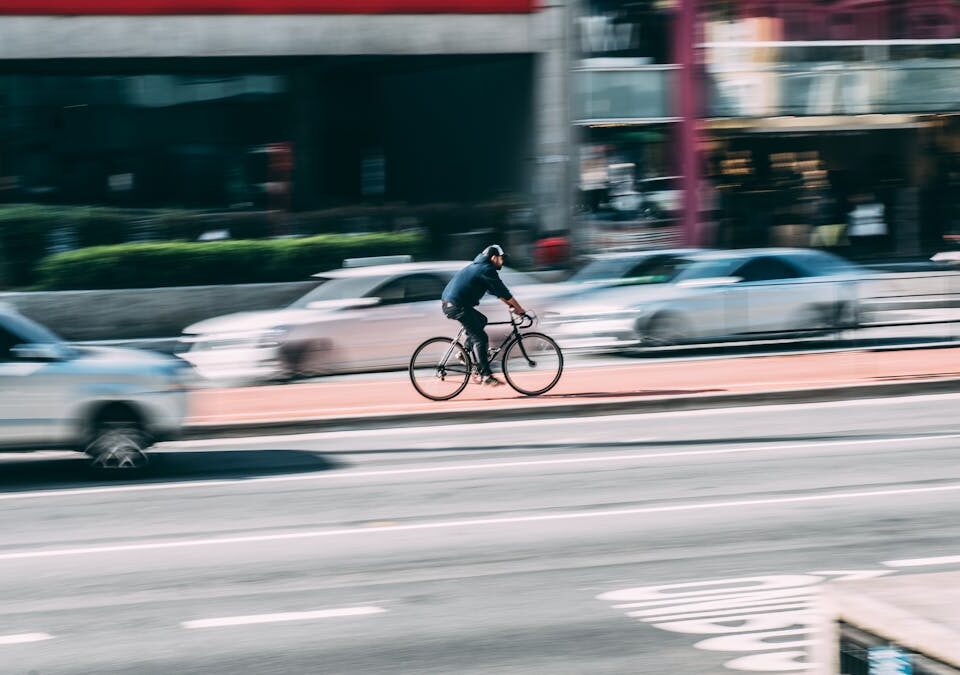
[687, 109]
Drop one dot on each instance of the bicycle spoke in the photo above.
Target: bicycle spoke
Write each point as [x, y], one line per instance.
[534, 367]
[439, 369]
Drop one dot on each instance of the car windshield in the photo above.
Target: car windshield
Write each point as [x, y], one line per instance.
[340, 288]
[603, 269]
[652, 269]
[30, 332]
[705, 269]
[823, 263]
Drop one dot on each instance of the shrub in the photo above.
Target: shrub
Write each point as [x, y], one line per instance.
[151, 265]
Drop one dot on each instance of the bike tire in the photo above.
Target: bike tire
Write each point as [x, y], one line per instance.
[424, 359]
[514, 378]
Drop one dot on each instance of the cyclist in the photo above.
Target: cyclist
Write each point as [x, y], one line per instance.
[461, 297]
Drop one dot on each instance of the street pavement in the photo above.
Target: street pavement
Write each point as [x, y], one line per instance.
[685, 542]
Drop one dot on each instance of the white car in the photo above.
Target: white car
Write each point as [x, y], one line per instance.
[714, 296]
[109, 403]
[357, 319]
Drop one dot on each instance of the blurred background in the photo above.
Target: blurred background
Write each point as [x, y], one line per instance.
[609, 123]
[225, 226]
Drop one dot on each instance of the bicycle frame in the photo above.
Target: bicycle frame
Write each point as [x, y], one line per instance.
[524, 322]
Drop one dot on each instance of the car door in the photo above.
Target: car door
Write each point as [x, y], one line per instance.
[25, 415]
[769, 296]
[408, 313]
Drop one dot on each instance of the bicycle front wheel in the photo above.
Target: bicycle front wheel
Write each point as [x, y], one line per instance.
[533, 364]
[440, 369]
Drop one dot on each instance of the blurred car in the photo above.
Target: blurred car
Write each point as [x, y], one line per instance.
[625, 268]
[109, 403]
[710, 296]
[369, 317]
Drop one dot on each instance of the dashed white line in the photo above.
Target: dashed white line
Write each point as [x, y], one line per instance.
[924, 562]
[474, 522]
[226, 621]
[24, 637]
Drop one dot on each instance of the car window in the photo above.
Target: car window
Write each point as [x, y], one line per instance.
[392, 291]
[704, 269]
[604, 268]
[344, 288]
[410, 288]
[423, 287]
[766, 269]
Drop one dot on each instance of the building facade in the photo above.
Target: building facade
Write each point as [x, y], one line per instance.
[753, 122]
[285, 104]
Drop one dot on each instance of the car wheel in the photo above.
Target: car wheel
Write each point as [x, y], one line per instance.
[118, 443]
[847, 316]
[664, 330]
[308, 359]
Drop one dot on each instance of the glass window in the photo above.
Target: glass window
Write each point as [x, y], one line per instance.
[423, 287]
[340, 289]
[766, 269]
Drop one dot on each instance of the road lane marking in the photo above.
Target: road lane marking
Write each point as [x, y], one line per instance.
[471, 522]
[454, 468]
[735, 614]
[24, 637]
[251, 619]
[538, 423]
[924, 562]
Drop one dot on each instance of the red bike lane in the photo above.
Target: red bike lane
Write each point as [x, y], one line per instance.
[584, 385]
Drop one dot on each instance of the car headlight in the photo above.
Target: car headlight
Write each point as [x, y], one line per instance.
[236, 340]
[273, 337]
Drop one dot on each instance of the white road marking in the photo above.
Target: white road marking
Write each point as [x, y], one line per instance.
[251, 619]
[24, 637]
[454, 468]
[924, 562]
[474, 522]
[537, 423]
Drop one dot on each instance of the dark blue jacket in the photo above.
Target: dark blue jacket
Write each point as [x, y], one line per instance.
[469, 284]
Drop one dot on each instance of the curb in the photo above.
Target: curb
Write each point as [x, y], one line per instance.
[522, 412]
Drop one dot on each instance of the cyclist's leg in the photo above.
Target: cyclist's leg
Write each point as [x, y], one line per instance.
[474, 323]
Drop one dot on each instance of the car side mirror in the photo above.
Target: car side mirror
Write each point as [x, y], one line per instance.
[710, 282]
[38, 352]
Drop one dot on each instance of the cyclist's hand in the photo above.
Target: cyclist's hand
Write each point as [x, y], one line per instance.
[519, 311]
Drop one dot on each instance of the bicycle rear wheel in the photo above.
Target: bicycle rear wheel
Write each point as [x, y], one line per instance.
[440, 369]
[533, 367]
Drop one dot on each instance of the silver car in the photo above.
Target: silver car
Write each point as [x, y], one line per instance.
[358, 319]
[712, 296]
[109, 403]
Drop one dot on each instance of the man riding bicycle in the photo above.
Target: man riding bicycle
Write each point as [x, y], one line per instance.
[461, 297]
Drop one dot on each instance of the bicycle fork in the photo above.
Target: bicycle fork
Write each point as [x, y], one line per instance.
[442, 366]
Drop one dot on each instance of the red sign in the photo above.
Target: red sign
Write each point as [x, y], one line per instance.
[82, 7]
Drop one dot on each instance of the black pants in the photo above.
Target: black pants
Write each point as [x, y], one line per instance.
[477, 341]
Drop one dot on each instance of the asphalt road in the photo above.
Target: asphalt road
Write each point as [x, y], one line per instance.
[661, 543]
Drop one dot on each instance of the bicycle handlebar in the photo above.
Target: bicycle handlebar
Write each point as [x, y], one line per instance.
[525, 321]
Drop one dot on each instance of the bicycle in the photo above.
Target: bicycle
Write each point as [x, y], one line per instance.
[531, 362]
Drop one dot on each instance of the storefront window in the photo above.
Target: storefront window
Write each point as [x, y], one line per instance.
[148, 140]
[638, 30]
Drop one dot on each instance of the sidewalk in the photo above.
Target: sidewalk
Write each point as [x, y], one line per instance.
[640, 387]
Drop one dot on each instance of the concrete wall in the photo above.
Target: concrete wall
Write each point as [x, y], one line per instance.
[147, 312]
[213, 36]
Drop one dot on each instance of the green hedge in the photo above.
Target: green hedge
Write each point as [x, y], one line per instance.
[152, 265]
[26, 230]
